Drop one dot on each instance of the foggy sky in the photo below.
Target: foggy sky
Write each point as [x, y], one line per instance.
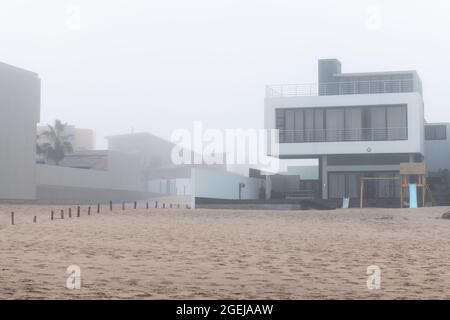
[159, 65]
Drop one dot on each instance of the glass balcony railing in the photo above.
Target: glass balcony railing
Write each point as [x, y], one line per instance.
[343, 135]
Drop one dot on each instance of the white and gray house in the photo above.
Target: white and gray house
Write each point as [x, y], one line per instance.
[356, 125]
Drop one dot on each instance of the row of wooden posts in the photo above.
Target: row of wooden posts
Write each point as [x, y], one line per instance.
[52, 214]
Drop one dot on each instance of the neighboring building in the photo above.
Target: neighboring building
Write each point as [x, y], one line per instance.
[19, 114]
[84, 140]
[358, 124]
[90, 160]
[162, 175]
[80, 139]
[437, 157]
[437, 146]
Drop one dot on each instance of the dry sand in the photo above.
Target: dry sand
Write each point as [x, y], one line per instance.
[225, 254]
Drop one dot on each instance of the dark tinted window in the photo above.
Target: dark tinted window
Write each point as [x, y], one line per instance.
[436, 132]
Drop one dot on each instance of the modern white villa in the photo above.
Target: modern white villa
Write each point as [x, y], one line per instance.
[356, 125]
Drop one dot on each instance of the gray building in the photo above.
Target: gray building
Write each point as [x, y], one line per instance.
[19, 115]
[437, 147]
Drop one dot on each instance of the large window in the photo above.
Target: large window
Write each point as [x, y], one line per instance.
[347, 184]
[436, 132]
[378, 123]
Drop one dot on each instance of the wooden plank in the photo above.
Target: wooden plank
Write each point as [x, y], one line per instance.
[379, 178]
[414, 168]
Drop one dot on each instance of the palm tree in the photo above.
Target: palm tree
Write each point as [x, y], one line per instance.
[56, 144]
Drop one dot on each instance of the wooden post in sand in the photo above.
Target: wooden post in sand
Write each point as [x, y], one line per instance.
[110, 206]
[70, 213]
[164, 205]
[35, 219]
[361, 194]
[156, 204]
[89, 210]
[147, 205]
[98, 207]
[78, 211]
[62, 214]
[135, 205]
[12, 218]
[52, 216]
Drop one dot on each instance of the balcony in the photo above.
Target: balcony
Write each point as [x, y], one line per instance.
[343, 135]
[341, 88]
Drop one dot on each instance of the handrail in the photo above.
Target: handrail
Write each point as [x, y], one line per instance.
[341, 88]
[343, 135]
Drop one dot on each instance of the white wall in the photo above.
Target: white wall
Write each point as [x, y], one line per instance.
[77, 186]
[223, 185]
[82, 178]
[72, 177]
[414, 144]
[19, 115]
[181, 187]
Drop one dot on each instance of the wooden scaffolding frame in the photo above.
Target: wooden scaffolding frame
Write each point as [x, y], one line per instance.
[419, 171]
[407, 170]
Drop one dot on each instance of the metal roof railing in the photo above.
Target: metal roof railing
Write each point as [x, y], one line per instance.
[341, 88]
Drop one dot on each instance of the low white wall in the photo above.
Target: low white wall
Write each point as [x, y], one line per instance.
[70, 185]
[71, 177]
[223, 185]
[82, 178]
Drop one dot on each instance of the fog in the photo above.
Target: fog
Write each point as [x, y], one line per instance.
[130, 66]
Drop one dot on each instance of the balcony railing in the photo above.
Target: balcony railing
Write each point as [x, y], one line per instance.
[341, 88]
[343, 135]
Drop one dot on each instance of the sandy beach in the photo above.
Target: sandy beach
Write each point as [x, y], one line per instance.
[179, 253]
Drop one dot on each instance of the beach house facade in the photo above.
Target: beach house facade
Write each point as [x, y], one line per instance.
[356, 125]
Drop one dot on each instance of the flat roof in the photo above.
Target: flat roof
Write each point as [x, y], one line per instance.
[14, 68]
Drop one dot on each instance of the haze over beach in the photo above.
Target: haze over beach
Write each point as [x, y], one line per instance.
[223, 254]
[227, 152]
[160, 65]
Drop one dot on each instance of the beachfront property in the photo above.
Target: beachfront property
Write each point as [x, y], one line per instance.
[357, 125]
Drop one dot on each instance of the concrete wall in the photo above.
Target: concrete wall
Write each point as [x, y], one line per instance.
[71, 186]
[19, 115]
[285, 183]
[223, 185]
[414, 144]
[126, 171]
